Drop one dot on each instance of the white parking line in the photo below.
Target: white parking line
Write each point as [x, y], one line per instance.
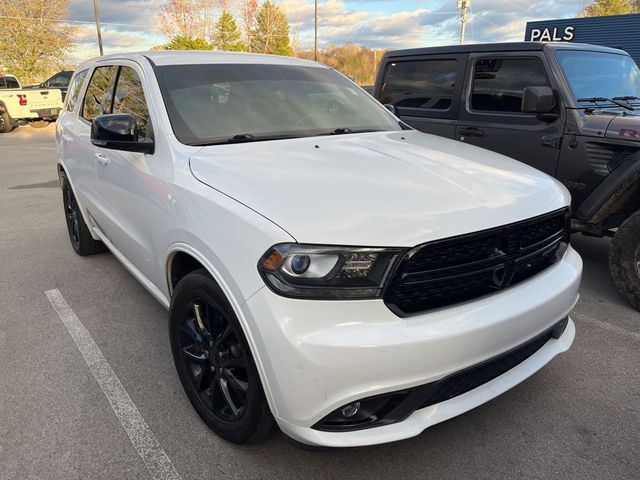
[144, 441]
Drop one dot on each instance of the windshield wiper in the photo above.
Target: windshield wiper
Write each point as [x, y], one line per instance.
[241, 138]
[344, 131]
[615, 100]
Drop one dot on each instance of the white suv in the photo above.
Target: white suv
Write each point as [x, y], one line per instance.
[324, 265]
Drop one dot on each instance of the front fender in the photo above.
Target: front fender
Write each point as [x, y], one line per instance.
[615, 191]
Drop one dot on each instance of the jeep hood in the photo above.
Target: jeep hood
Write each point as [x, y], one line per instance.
[377, 189]
[625, 127]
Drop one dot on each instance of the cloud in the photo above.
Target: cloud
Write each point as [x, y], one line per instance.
[133, 24]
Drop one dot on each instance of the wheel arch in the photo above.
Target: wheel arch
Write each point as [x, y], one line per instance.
[63, 175]
[193, 258]
[616, 198]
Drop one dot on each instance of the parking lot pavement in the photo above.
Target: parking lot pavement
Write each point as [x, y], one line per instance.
[577, 418]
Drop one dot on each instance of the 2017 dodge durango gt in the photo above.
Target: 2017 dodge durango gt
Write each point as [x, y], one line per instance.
[326, 268]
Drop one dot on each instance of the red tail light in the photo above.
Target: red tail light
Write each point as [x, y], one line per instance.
[23, 99]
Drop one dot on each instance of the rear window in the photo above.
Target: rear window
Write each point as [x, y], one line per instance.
[12, 82]
[9, 82]
[426, 84]
[498, 83]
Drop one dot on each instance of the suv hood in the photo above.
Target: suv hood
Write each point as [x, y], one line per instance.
[377, 189]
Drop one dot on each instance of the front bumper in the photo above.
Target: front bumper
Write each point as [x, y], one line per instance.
[316, 356]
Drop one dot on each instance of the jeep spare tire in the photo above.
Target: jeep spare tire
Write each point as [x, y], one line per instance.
[624, 259]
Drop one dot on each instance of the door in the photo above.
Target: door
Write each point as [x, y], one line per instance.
[492, 116]
[425, 91]
[122, 178]
[77, 138]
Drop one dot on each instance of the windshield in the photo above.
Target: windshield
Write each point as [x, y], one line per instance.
[219, 103]
[600, 75]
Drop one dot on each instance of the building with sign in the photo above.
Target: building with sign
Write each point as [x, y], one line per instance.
[617, 31]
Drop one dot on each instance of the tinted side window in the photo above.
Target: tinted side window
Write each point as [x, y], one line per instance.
[129, 98]
[12, 82]
[498, 83]
[60, 80]
[97, 100]
[420, 84]
[74, 90]
[3, 83]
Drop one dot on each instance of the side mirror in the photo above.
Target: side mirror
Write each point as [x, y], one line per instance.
[538, 100]
[391, 108]
[119, 132]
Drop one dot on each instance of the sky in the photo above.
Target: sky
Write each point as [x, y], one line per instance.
[130, 25]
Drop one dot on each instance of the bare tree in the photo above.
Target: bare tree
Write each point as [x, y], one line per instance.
[248, 14]
[188, 18]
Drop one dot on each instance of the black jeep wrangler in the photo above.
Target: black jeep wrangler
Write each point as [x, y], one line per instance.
[570, 110]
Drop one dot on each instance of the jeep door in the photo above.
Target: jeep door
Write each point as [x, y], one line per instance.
[424, 90]
[491, 114]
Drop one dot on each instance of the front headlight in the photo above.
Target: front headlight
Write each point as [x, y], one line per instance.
[327, 272]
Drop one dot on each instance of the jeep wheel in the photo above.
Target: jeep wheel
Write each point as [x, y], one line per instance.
[5, 123]
[214, 361]
[81, 240]
[624, 259]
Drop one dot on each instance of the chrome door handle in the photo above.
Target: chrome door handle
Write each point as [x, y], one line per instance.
[102, 159]
[67, 139]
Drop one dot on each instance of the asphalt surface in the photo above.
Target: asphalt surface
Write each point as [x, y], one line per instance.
[578, 418]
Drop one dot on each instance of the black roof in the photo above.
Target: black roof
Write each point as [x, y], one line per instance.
[499, 47]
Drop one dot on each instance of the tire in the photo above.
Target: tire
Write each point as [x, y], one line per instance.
[81, 240]
[624, 259]
[212, 355]
[6, 124]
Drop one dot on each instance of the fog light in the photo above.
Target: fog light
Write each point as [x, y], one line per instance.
[350, 410]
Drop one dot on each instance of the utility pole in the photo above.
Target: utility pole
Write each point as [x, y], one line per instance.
[463, 6]
[97, 12]
[315, 31]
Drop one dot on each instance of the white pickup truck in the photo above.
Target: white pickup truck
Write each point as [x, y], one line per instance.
[19, 106]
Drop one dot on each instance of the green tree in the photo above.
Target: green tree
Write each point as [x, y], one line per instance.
[182, 42]
[35, 38]
[226, 35]
[271, 33]
[601, 8]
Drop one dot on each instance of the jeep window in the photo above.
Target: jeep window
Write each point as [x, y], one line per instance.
[498, 83]
[97, 100]
[420, 84]
[74, 90]
[210, 104]
[129, 98]
[600, 75]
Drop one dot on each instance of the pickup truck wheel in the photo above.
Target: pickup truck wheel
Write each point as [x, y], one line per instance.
[214, 361]
[6, 125]
[624, 259]
[81, 240]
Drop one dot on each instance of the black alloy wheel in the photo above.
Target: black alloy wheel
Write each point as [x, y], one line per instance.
[214, 361]
[81, 240]
[72, 215]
